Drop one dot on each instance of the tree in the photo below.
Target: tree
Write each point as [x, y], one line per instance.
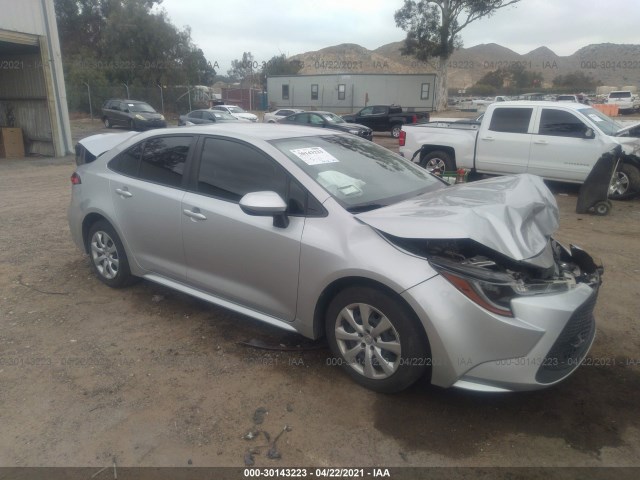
[576, 82]
[433, 28]
[244, 69]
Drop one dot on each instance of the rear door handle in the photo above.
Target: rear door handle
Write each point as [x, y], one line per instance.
[124, 193]
[541, 142]
[194, 214]
[488, 139]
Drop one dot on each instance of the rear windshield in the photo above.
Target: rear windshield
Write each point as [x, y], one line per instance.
[620, 95]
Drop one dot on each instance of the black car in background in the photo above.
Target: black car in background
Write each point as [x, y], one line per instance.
[132, 114]
[206, 116]
[328, 120]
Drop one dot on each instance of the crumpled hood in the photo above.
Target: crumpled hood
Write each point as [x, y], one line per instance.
[100, 143]
[513, 215]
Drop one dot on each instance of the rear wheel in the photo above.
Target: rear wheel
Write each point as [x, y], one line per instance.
[107, 122]
[108, 258]
[376, 339]
[438, 161]
[395, 130]
[625, 182]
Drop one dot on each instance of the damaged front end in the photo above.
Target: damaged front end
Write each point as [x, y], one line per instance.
[539, 319]
[493, 280]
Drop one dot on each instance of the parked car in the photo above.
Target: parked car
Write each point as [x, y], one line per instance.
[328, 120]
[386, 118]
[567, 98]
[236, 111]
[559, 141]
[133, 114]
[273, 117]
[207, 116]
[490, 100]
[626, 101]
[326, 234]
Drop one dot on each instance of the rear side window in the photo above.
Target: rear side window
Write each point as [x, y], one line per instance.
[511, 120]
[196, 114]
[163, 160]
[128, 162]
[559, 123]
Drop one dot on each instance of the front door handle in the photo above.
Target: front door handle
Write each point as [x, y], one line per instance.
[194, 214]
[124, 193]
[541, 142]
[488, 139]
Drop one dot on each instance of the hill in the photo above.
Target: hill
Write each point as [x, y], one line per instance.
[610, 64]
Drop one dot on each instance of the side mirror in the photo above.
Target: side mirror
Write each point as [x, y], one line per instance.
[589, 134]
[266, 204]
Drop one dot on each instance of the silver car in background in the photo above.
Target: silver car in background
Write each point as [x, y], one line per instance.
[327, 234]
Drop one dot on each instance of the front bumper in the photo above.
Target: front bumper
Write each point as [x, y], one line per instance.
[474, 349]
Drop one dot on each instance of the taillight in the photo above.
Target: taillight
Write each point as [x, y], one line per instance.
[402, 138]
[75, 179]
[414, 119]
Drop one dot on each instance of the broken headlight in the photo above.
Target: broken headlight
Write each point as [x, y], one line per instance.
[494, 290]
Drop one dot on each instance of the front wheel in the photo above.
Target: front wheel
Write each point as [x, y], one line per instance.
[376, 339]
[625, 182]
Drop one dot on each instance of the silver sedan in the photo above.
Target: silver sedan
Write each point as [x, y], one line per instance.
[327, 234]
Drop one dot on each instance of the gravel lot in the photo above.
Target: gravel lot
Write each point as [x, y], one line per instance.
[152, 377]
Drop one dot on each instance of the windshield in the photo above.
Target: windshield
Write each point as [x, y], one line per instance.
[604, 123]
[140, 107]
[359, 174]
[332, 118]
[236, 110]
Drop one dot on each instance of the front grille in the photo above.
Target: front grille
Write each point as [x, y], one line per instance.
[572, 344]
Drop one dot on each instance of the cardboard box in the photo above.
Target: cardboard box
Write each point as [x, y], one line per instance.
[11, 143]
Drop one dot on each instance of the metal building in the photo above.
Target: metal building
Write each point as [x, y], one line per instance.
[342, 93]
[32, 92]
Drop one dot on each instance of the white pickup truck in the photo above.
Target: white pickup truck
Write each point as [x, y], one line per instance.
[557, 141]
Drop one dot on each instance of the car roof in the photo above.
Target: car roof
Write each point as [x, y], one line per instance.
[544, 103]
[243, 131]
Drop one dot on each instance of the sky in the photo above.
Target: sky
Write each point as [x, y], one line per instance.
[226, 29]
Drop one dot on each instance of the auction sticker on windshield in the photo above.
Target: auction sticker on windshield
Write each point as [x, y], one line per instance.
[314, 155]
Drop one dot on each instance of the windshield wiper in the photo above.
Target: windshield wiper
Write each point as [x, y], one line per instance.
[365, 208]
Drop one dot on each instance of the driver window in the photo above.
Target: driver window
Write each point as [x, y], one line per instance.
[559, 123]
[366, 111]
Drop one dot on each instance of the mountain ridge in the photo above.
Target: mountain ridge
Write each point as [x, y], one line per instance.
[608, 63]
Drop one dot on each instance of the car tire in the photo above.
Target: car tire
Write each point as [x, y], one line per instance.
[107, 122]
[107, 256]
[395, 130]
[625, 183]
[438, 160]
[376, 339]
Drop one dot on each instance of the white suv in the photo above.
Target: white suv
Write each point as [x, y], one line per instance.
[625, 100]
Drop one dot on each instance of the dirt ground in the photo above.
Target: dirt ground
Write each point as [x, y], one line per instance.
[152, 377]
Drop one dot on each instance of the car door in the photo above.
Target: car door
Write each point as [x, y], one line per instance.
[561, 150]
[147, 195]
[503, 146]
[195, 117]
[235, 256]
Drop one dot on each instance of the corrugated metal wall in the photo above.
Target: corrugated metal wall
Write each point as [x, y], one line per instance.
[23, 96]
